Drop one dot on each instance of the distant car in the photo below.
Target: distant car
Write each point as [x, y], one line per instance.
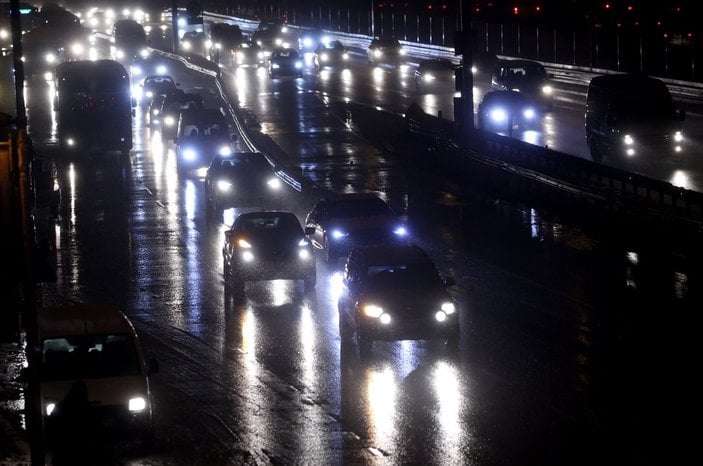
[267, 245]
[502, 111]
[154, 84]
[202, 134]
[272, 24]
[239, 179]
[527, 77]
[385, 50]
[311, 39]
[395, 292]
[341, 222]
[171, 109]
[330, 54]
[129, 40]
[195, 42]
[224, 38]
[435, 74]
[248, 54]
[269, 40]
[285, 62]
[94, 348]
[153, 109]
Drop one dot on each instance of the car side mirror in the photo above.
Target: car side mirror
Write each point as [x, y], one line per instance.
[153, 366]
[449, 281]
[309, 231]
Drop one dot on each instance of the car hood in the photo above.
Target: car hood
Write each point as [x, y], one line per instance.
[362, 223]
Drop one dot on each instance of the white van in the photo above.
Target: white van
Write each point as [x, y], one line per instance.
[96, 344]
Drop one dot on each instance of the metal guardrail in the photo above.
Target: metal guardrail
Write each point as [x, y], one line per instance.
[609, 187]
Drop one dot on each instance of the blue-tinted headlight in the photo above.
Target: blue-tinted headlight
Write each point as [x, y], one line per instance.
[400, 231]
[190, 154]
[339, 234]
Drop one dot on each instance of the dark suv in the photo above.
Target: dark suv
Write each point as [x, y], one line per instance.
[527, 77]
[202, 133]
[341, 222]
[395, 293]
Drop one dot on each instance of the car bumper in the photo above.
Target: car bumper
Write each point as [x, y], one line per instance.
[276, 270]
[411, 330]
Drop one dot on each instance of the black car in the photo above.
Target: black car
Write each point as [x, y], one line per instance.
[224, 38]
[268, 40]
[341, 222]
[385, 50]
[311, 39]
[267, 245]
[248, 54]
[395, 293]
[330, 54]
[502, 111]
[171, 109]
[285, 62]
[239, 179]
[195, 42]
[155, 84]
[435, 74]
[525, 76]
[153, 109]
[202, 134]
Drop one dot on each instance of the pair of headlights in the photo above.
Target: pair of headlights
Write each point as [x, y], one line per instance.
[374, 311]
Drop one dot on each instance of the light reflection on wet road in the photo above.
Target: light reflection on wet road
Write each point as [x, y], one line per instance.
[549, 360]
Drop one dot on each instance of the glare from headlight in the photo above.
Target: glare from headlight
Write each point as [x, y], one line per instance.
[307, 42]
[345, 56]
[50, 58]
[77, 48]
[242, 243]
[547, 90]
[324, 57]
[186, 45]
[628, 140]
[48, 76]
[274, 183]
[428, 77]
[440, 316]
[474, 70]
[303, 242]
[401, 52]
[136, 71]
[168, 121]
[70, 142]
[144, 53]
[137, 404]
[377, 53]
[189, 154]
[279, 42]
[161, 69]
[385, 319]
[304, 254]
[225, 151]
[400, 231]
[298, 65]
[149, 94]
[630, 151]
[50, 408]
[224, 185]
[678, 136]
[247, 256]
[499, 115]
[529, 113]
[275, 66]
[120, 54]
[448, 308]
[338, 234]
[372, 310]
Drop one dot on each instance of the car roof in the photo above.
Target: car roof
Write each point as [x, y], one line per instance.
[625, 82]
[82, 319]
[393, 254]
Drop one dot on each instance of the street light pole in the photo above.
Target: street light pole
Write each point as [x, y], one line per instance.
[464, 105]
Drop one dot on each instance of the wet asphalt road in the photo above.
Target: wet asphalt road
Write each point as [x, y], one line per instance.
[574, 346]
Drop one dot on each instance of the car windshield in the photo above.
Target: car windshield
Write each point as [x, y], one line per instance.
[359, 208]
[270, 227]
[89, 357]
[403, 277]
[254, 162]
[530, 71]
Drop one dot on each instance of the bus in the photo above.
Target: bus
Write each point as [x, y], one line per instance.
[93, 105]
